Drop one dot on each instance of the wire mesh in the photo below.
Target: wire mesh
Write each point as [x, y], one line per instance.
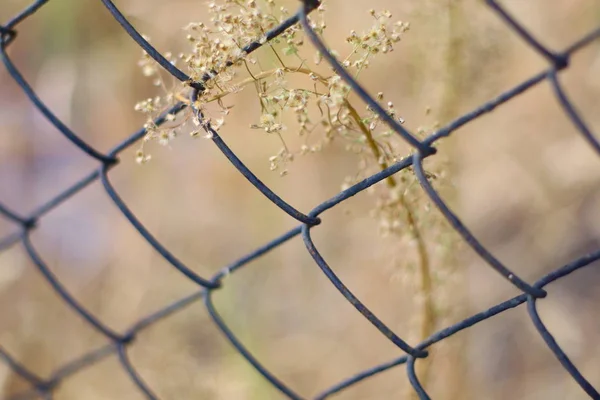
[119, 342]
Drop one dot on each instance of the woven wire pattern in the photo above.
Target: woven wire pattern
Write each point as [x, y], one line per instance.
[42, 387]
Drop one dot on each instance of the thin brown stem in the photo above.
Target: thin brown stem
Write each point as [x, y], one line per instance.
[427, 324]
[371, 142]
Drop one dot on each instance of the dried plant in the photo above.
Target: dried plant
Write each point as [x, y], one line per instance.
[298, 95]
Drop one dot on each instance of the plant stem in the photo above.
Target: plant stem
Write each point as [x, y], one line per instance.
[253, 79]
[425, 290]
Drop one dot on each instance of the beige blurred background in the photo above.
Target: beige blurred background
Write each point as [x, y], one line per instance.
[522, 179]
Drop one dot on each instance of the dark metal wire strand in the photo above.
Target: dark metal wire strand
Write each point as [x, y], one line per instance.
[467, 235]
[167, 255]
[360, 91]
[19, 368]
[572, 113]
[133, 374]
[558, 352]
[245, 171]
[352, 299]
[525, 35]
[414, 380]
[58, 124]
[62, 291]
[282, 387]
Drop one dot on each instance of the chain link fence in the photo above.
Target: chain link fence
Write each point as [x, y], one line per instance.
[120, 342]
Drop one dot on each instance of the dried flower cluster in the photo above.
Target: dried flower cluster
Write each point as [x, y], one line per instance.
[319, 103]
[294, 87]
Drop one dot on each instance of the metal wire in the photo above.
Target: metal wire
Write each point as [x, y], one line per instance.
[120, 342]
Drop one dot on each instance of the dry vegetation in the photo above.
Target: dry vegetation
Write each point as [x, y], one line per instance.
[521, 178]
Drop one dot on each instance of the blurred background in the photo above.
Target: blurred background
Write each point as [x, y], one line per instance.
[521, 178]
